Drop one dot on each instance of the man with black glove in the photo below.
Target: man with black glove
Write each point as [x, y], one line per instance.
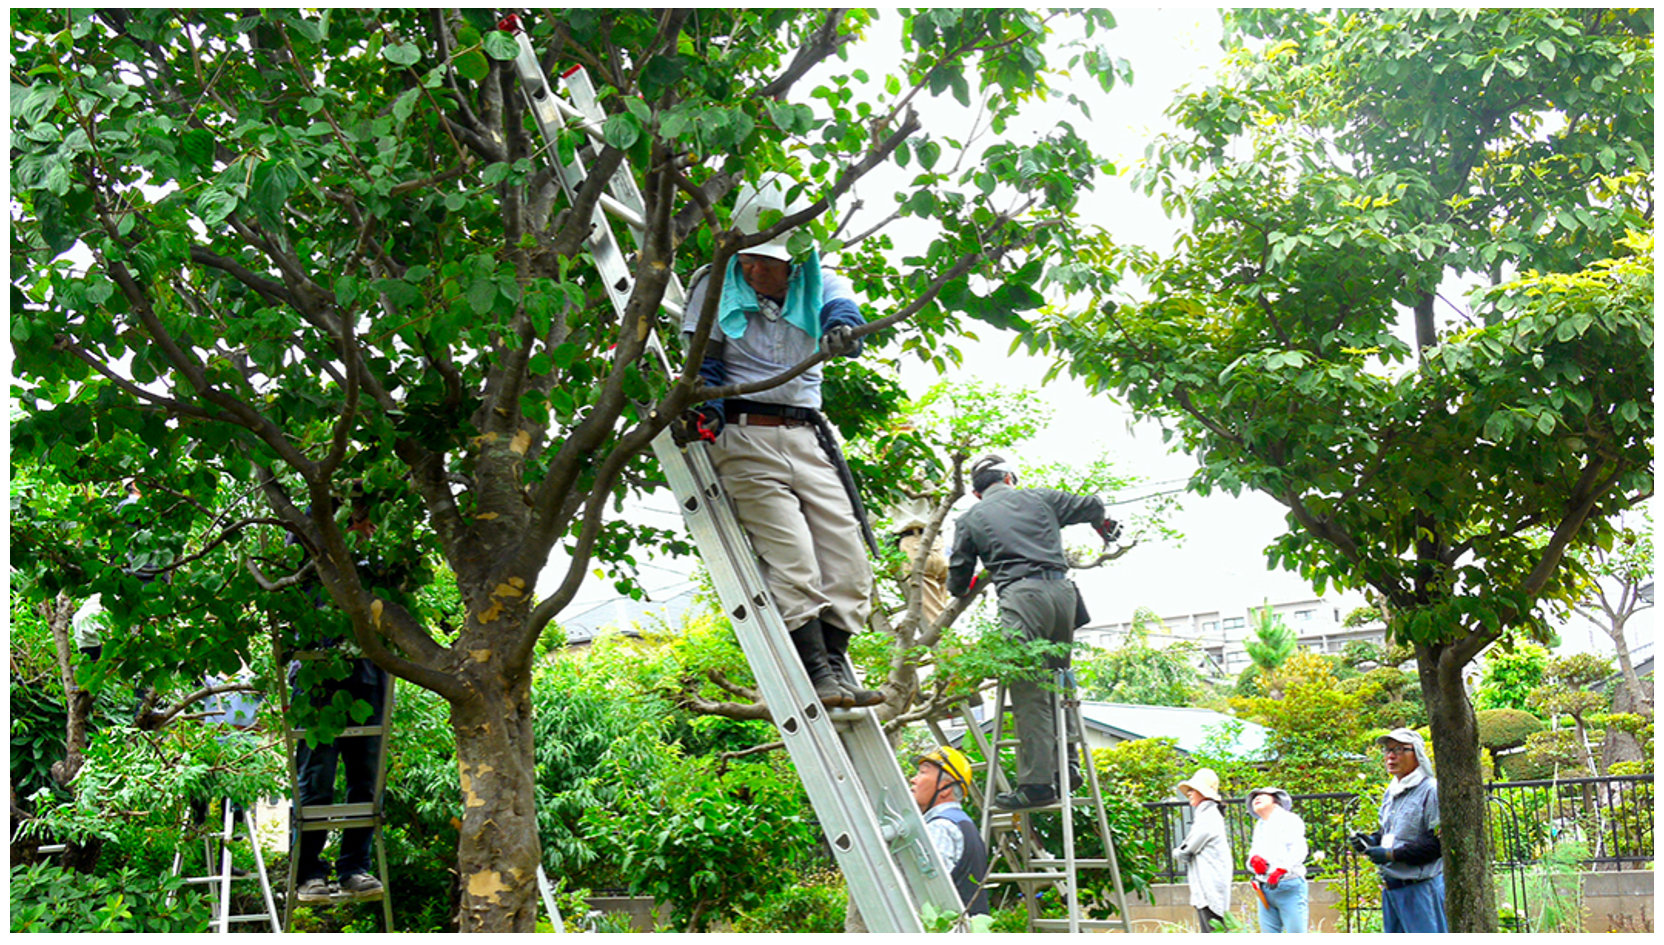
[1406, 848]
[774, 311]
[1017, 533]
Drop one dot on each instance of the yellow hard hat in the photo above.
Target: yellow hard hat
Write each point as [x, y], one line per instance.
[952, 761]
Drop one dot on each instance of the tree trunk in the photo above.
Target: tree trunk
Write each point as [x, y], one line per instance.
[59, 613]
[1620, 745]
[1640, 698]
[497, 848]
[1470, 896]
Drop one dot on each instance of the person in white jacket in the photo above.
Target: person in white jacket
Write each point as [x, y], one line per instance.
[1206, 850]
[1277, 858]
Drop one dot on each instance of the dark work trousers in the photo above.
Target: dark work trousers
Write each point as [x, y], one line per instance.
[1039, 610]
[315, 770]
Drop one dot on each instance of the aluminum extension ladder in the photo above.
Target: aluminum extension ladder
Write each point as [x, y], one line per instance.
[1011, 835]
[216, 848]
[340, 817]
[855, 784]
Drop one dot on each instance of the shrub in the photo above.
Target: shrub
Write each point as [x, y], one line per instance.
[698, 839]
[47, 898]
[816, 905]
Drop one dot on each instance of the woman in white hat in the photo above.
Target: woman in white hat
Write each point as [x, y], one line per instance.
[1206, 850]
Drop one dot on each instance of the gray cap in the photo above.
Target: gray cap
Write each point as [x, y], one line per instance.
[1405, 736]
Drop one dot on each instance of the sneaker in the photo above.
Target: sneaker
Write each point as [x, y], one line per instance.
[314, 890]
[361, 885]
[1026, 796]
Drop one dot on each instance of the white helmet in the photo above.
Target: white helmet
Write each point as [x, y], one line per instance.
[753, 202]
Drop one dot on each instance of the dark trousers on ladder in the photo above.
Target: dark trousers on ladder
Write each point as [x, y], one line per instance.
[316, 768]
[1039, 610]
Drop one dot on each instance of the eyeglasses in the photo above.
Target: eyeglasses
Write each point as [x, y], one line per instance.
[1398, 750]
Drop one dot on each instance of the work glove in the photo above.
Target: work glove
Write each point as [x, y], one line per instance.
[1363, 841]
[1380, 856]
[1274, 877]
[697, 423]
[1110, 529]
[839, 341]
[1258, 865]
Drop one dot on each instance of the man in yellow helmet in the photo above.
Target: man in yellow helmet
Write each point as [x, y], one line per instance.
[943, 779]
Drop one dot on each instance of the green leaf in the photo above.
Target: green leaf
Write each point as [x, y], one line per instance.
[402, 54]
[621, 132]
[472, 65]
[197, 145]
[273, 182]
[215, 204]
[501, 46]
[482, 295]
[404, 104]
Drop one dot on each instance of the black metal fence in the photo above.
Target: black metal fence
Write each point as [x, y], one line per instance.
[1610, 818]
[1330, 819]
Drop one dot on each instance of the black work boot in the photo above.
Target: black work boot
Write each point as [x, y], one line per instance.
[837, 654]
[1026, 796]
[810, 642]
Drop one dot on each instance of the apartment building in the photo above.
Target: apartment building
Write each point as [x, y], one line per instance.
[1317, 622]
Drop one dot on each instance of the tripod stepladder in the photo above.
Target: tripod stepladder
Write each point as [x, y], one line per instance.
[216, 856]
[1012, 837]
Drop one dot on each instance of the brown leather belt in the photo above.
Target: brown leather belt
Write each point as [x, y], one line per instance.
[764, 420]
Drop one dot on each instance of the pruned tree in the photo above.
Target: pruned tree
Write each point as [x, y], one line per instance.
[1614, 590]
[917, 659]
[1348, 175]
[274, 253]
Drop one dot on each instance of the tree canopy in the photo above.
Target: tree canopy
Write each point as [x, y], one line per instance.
[268, 262]
[1342, 183]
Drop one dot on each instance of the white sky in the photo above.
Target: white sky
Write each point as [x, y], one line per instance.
[1220, 565]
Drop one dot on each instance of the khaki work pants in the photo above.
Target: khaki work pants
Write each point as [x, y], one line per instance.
[793, 506]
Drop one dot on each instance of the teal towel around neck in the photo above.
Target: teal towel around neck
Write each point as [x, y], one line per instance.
[803, 302]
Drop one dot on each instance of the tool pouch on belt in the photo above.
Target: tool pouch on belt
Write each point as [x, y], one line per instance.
[829, 445]
[1081, 616]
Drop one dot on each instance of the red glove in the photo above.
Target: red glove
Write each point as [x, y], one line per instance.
[1258, 865]
[1276, 875]
[1108, 529]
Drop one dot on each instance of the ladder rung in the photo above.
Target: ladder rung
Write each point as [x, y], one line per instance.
[623, 212]
[355, 731]
[1082, 923]
[1026, 877]
[249, 918]
[340, 897]
[1080, 864]
[358, 809]
[344, 824]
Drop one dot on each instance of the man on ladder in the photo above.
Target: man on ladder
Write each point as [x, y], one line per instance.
[1018, 534]
[772, 450]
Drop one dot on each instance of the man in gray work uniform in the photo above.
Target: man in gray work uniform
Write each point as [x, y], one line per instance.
[1018, 534]
[774, 311]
